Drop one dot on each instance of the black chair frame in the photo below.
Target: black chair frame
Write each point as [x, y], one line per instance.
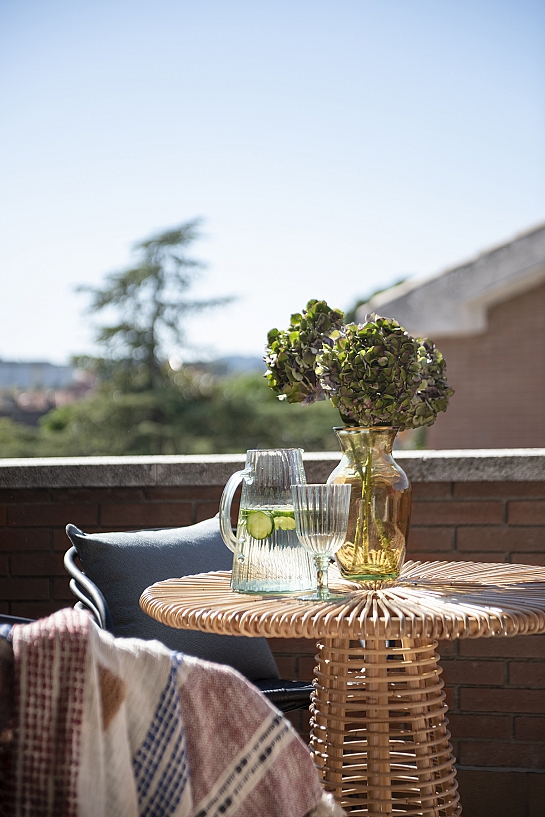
[285, 695]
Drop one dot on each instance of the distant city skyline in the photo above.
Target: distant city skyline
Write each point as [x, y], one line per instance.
[42, 375]
[331, 149]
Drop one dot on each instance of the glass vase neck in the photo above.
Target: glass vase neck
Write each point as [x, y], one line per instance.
[361, 439]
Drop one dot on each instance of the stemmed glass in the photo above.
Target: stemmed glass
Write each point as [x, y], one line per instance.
[321, 518]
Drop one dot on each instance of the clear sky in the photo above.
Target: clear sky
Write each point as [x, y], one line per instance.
[332, 147]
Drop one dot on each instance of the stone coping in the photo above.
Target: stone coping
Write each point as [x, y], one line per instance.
[484, 465]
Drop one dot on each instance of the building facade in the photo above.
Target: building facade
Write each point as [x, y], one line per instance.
[488, 319]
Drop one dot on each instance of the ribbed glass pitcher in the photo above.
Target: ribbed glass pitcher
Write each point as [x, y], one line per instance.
[268, 557]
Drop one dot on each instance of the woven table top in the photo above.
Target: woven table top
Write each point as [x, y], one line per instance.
[431, 599]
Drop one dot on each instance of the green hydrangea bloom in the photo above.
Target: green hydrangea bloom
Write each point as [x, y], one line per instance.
[375, 374]
[291, 355]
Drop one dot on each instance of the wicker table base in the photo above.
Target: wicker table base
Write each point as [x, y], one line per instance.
[379, 734]
[378, 728]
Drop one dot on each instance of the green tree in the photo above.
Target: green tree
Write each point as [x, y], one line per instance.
[149, 300]
[201, 413]
[141, 404]
[18, 440]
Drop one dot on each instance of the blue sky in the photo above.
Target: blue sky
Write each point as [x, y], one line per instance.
[330, 147]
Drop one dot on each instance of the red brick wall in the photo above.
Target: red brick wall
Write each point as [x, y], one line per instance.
[33, 581]
[499, 378]
[495, 688]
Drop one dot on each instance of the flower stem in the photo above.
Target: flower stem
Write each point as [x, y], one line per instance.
[363, 522]
[383, 536]
[361, 536]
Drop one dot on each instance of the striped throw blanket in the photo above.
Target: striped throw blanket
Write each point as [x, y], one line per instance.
[111, 727]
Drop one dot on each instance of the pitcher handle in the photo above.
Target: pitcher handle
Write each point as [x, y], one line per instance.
[225, 507]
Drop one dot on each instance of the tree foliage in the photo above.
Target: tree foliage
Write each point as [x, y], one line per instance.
[142, 405]
[18, 440]
[149, 302]
[200, 413]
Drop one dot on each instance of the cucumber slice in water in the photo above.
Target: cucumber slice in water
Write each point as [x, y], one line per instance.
[284, 523]
[259, 525]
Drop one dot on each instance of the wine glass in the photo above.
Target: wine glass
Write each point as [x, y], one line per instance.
[321, 518]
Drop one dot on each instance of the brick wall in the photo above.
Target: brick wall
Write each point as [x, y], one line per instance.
[495, 688]
[33, 581]
[499, 378]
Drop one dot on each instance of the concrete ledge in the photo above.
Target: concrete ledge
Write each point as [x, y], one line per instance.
[487, 465]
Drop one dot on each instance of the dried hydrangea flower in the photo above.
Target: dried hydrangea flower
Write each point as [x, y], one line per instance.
[374, 373]
[291, 354]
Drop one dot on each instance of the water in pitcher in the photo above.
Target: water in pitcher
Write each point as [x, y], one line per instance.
[270, 557]
[267, 555]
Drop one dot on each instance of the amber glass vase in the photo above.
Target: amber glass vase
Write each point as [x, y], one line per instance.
[380, 504]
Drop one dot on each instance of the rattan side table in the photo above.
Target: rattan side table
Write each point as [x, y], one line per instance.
[379, 734]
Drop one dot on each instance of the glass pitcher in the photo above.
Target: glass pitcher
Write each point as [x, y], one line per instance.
[268, 557]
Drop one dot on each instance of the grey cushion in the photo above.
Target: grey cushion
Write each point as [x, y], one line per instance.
[122, 565]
